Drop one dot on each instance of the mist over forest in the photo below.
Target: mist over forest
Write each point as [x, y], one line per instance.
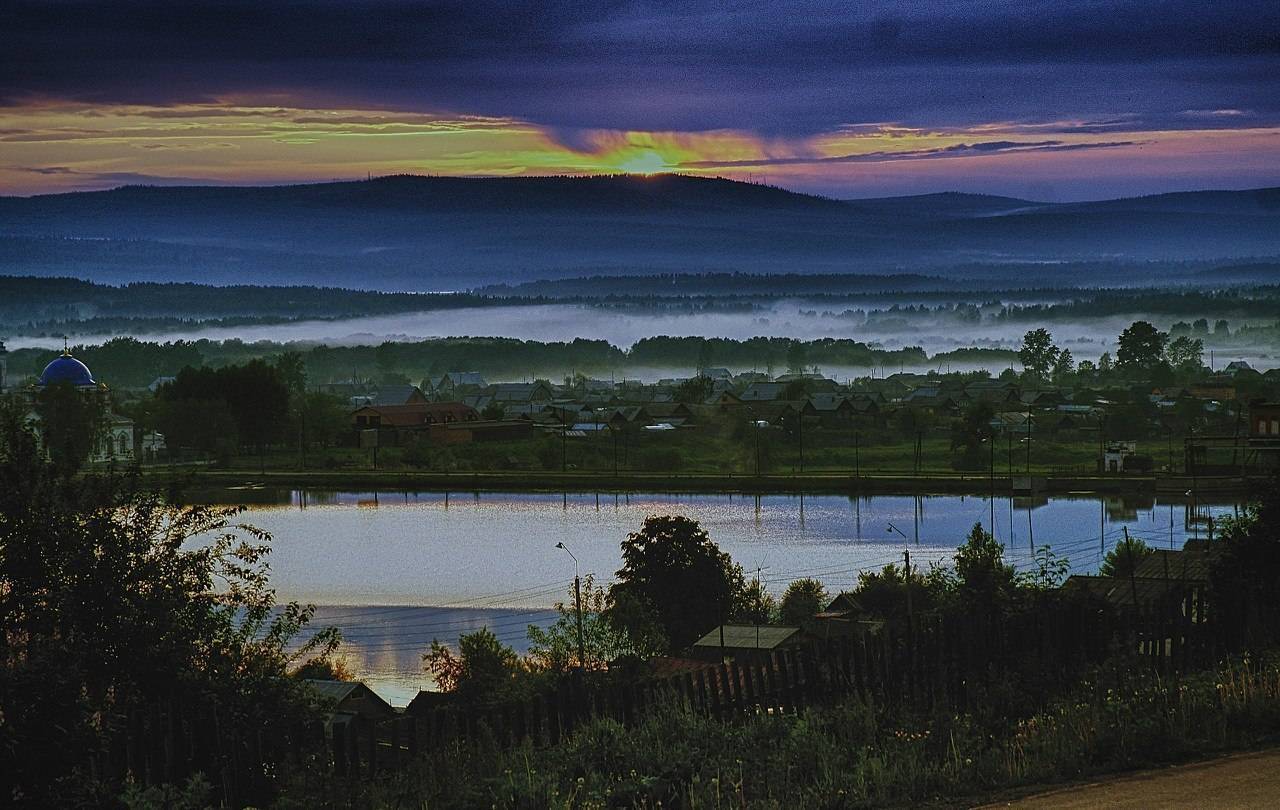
[410, 233]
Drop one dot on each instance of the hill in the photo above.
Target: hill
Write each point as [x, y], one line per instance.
[433, 233]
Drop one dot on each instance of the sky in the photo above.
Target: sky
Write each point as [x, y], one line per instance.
[1062, 100]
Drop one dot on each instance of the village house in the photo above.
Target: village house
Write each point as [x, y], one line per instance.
[395, 424]
[763, 392]
[391, 395]
[1264, 419]
[455, 384]
[508, 394]
[831, 410]
[350, 699]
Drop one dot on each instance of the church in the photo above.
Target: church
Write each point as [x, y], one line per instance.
[119, 440]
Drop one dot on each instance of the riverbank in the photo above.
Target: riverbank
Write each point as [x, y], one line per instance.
[818, 482]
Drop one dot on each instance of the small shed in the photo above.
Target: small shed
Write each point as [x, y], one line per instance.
[352, 699]
[748, 643]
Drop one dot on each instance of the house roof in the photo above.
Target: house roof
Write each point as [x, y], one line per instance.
[827, 402]
[1188, 565]
[751, 636]
[923, 393]
[418, 413]
[762, 392]
[334, 690]
[518, 392]
[464, 378]
[1121, 591]
[396, 395]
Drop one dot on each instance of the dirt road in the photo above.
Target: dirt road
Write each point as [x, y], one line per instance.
[1244, 780]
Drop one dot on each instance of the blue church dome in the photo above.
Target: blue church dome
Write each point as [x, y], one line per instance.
[67, 369]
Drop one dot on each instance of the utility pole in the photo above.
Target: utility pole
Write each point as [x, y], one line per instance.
[800, 433]
[759, 605]
[857, 457]
[1133, 579]
[756, 422]
[911, 614]
[992, 496]
[577, 603]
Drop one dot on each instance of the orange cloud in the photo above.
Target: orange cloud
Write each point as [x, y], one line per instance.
[53, 146]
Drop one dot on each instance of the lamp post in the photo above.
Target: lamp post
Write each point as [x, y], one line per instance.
[906, 558]
[577, 604]
[991, 440]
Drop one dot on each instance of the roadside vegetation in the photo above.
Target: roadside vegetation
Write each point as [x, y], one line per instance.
[852, 754]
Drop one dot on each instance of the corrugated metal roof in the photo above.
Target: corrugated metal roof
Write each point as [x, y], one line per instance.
[750, 636]
[336, 691]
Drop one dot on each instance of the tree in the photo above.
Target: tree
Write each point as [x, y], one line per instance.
[797, 357]
[1123, 560]
[292, 370]
[1141, 348]
[1063, 366]
[1244, 575]
[1049, 572]
[254, 396]
[969, 434]
[482, 670]
[109, 609]
[555, 648]
[326, 418]
[693, 391]
[802, 599]
[674, 576]
[493, 411]
[755, 605]
[985, 580]
[1186, 354]
[1037, 353]
[795, 390]
[72, 425]
[884, 593]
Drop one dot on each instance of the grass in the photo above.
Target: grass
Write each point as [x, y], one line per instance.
[695, 451]
[852, 754]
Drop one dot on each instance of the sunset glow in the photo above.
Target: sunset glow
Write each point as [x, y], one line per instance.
[848, 101]
[52, 147]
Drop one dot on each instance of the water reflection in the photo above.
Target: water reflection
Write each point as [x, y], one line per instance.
[435, 548]
[423, 565]
[384, 645]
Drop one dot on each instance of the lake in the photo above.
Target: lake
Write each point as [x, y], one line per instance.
[396, 569]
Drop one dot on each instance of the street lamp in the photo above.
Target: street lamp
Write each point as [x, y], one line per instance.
[992, 497]
[577, 603]
[906, 558]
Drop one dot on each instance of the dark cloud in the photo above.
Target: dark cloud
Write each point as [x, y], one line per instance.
[953, 151]
[767, 66]
[104, 180]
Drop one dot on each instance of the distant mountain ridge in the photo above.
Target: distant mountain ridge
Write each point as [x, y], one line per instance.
[433, 233]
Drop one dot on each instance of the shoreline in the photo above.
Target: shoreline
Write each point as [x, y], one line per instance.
[819, 483]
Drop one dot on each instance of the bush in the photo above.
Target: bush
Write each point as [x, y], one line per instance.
[660, 459]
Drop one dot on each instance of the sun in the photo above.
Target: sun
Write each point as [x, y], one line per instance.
[646, 162]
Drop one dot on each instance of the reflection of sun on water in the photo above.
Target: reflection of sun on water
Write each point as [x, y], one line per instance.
[646, 162]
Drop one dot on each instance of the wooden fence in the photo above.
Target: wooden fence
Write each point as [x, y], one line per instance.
[930, 662]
